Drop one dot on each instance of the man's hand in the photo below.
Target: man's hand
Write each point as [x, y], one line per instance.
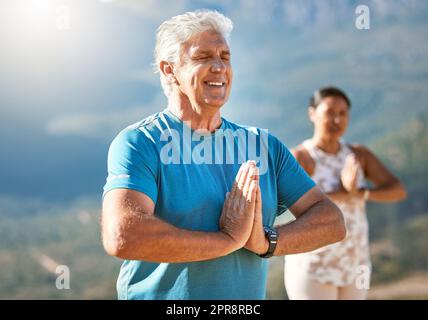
[349, 174]
[258, 242]
[237, 217]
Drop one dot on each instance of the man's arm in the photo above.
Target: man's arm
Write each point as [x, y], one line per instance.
[130, 230]
[319, 222]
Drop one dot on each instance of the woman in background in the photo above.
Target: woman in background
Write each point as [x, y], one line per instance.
[341, 270]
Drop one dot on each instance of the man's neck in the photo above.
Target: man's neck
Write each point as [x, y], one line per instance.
[201, 118]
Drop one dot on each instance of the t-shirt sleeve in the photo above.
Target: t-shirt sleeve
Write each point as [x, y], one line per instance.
[132, 163]
[292, 180]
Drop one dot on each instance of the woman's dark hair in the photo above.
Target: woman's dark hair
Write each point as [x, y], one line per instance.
[327, 92]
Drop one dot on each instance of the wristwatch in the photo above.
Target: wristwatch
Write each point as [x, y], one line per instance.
[272, 237]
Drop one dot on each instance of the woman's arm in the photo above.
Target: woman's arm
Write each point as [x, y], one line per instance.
[342, 195]
[387, 188]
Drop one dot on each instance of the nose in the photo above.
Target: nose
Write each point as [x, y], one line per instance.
[218, 66]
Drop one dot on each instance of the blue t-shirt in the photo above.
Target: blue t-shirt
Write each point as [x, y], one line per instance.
[187, 175]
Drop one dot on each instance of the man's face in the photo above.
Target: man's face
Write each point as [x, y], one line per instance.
[204, 72]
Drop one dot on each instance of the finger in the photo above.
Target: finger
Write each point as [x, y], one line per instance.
[355, 161]
[354, 170]
[244, 191]
[258, 200]
[258, 218]
[255, 192]
[241, 169]
[252, 175]
[238, 193]
[237, 179]
[350, 160]
[252, 192]
[243, 177]
[227, 197]
[250, 203]
[226, 203]
[256, 177]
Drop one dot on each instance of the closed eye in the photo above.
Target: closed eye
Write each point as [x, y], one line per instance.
[201, 57]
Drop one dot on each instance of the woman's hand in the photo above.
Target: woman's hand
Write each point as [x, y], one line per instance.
[237, 217]
[349, 174]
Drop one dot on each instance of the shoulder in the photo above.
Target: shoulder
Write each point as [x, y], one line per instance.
[276, 148]
[139, 135]
[131, 149]
[244, 128]
[365, 156]
[362, 152]
[358, 148]
[253, 136]
[300, 153]
[130, 136]
[143, 129]
[304, 158]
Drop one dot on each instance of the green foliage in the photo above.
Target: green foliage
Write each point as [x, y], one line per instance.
[404, 151]
[405, 252]
[71, 239]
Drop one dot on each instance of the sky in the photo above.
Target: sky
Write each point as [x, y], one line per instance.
[73, 73]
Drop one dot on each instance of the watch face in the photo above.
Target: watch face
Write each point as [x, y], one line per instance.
[269, 231]
[272, 236]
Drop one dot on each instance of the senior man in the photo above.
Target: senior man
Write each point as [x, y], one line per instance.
[191, 198]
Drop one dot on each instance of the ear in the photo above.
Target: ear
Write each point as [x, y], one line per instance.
[311, 113]
[167, 69]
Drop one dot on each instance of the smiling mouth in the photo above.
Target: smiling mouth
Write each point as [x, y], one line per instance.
[215, 84]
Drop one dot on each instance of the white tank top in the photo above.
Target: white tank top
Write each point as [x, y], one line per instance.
[339, 263]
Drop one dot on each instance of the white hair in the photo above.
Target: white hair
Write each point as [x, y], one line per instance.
[172, 33]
